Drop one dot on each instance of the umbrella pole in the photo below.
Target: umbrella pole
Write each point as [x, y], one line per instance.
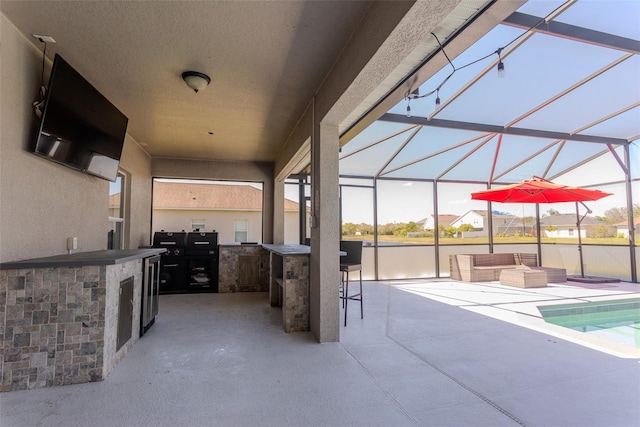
[579, 240]
[579, 221]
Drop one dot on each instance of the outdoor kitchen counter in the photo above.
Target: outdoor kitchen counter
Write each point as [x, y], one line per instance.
[81, 259]
[243, 268]
[289, 284]
[69, 319]
[286, 250]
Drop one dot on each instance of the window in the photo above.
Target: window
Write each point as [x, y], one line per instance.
[241, 230]
[403, 209]
[357, 213]
[455, 207]
[115, 237]
[297, 209]
[198, 225]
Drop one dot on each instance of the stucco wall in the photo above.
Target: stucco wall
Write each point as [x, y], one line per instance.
[136, 164]
[42, 203]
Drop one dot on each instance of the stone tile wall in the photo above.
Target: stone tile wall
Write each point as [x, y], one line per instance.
[115, 274]
[295, 301]
[58, 325]
[3, 310]
[228, 268]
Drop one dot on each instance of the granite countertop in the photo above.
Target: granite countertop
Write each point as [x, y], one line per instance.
[238, 245]
[80, 259]
[285, 250]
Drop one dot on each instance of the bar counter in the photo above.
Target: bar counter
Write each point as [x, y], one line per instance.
[289, 284]
[81, 259]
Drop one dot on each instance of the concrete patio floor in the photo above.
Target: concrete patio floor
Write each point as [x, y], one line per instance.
[223, 360]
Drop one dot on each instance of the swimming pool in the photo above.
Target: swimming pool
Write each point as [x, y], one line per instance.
[617, 320]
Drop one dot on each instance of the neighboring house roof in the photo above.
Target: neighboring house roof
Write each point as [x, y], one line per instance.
[495, 214]
[468, 214]
[177, 195]
[446, 219]
[636, 222]
[443, 219]
[569, 220]
[114, 200]
[483, 214]
[420, 222]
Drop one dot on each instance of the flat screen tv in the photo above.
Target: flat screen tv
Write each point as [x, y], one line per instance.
[79, 127]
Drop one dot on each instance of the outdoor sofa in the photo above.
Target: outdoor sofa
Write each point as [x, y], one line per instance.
[487, 267]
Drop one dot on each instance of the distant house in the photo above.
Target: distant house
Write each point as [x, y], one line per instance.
[565, 226]
[445, 220]
[234, 211]
[501, 223]
[476, 219]
[623, 228]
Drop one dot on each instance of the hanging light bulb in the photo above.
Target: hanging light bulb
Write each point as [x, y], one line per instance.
[437, 99]
[500, 63]
[409, 108]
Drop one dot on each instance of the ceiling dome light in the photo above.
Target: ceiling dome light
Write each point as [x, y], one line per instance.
[196, 80]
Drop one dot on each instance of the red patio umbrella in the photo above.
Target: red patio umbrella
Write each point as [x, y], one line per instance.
[539, 190]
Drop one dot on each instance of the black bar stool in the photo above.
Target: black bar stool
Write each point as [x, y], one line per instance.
[351, 262]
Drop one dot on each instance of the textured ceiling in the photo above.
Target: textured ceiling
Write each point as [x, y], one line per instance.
[265, 58]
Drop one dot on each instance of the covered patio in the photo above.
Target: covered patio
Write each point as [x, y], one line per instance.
[428, 352]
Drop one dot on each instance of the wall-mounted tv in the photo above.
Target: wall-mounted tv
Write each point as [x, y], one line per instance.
[80, 128]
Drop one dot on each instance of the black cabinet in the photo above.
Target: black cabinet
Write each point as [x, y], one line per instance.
[173, 274]
[190, 263]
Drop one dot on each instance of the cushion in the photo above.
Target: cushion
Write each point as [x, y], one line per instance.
[493, 259]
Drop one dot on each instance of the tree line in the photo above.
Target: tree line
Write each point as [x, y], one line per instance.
[401, 229]
[616, 215]
[611, 216]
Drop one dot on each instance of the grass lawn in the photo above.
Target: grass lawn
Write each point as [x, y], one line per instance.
[484, 240]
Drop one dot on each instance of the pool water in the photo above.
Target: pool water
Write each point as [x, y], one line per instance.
[617, 320]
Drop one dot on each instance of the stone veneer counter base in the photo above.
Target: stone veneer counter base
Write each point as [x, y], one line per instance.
[289, 284]
[243, 268]
[59, 317]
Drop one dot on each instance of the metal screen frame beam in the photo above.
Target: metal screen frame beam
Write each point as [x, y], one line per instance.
[486, 128]
[573, 32]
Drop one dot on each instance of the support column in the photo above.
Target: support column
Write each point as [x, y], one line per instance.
[278, 212]
[325, 239]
